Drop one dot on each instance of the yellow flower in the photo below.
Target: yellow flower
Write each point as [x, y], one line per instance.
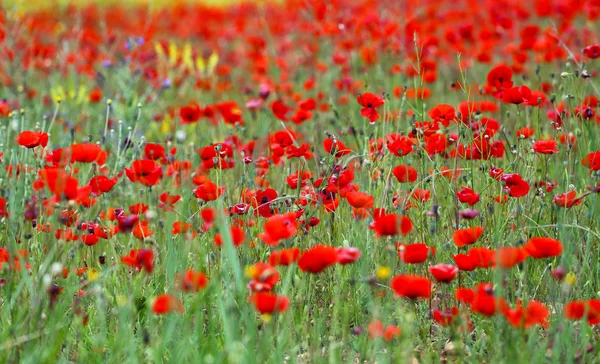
[93, 275]
[251, 271]
[266, 317]
[571, 279]
[383, 272]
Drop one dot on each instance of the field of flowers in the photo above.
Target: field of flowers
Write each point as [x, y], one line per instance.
[308, 181]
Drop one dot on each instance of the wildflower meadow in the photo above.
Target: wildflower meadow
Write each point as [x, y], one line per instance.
[300, 181]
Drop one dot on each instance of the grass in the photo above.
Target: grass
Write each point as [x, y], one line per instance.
[106, 312]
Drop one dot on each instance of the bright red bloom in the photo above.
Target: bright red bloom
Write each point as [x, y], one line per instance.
[347, 255]
[500, 78]
[166, 303]
[525, 133]
[360, 200]
[414, 253]
[592, 51]
[392, 224]
[370, 102]
[190, 113]
[317, 258]
[545, 146]
[411, 286]
[192, 281]
[535, 313]
[468, 196]
[484, 300]
[467, 236]
[483, 257]
[404, 173]
[567, 200]
[140, 259]
[592, 161]
[516, 95]
[144, 171]
[515, 185]
[284, 257]
[543, 247]
[399, 145]
[280, 110]
[264, 277]
[32, 139]
[209, 191]
[443, 272]
[508, 256]
[376, 329]
[279, 227]
[443, 113]
[102, 184]
[268, 303]
[446, 316]
[464, 262]
[335, 147]
[237, 236]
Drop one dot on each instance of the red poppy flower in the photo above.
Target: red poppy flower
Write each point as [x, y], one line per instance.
[209, 191]
[335, 147]
[500, 78]
[279, 227]
[318, 258]
[535, 313]
[360, 200]
[280, 110]
[86, 153]
[102, 184]
[154, 151]
[192, 281]
[592, 161]
[237, 236]
[411, 286]
[484, 301]
[545, 146]
[347, 255]
[190, 113]
[166, 303]
[468, 196]
[464, 262]
[508, 257]
[414, 253]
[516, 95]
[543, 247]
[567, 200]
[370, 102]
[268, 303]
[592, 51]
[399, 145]
[140, 259]
[32, 139]
[525, 133]
[443, 272]
[515, 185]
[284, 257]
[446, 316]
[144, 171]
[404, 173]
[467, 236]
[142, 231]
[376, 329]
[483, 257]
[264, 277]
[443, 113]
[392, 224]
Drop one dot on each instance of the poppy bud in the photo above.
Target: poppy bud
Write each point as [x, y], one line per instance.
[558, 273]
